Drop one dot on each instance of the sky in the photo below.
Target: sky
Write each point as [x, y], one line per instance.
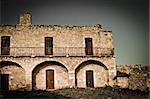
[127, 19]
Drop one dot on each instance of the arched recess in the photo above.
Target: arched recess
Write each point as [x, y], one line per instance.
[12, 76]
[99, 70]
[39, 75]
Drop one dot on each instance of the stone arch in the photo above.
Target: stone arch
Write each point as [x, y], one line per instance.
[13, 69]
[39, 75]
[99, 69]
[90, 62]
[5, 63]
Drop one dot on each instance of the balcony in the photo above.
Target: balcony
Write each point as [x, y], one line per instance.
[56, 51]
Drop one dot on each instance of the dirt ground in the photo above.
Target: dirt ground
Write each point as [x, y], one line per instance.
[78, 93]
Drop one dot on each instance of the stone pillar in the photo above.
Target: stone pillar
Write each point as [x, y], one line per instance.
[112, 74]
[28, 80]
[71, 78]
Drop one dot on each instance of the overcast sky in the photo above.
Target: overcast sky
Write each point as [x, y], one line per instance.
[127, 19]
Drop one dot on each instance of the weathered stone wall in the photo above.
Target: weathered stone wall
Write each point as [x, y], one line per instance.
[138, 76]
[24, 33]
[22, 36]
[123, 82]
[71, 63]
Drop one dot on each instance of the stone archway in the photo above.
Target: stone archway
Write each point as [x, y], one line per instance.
[99, 72]
[39, 75]
[12, 76]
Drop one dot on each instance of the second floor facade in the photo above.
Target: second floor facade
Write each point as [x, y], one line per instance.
[26, 39]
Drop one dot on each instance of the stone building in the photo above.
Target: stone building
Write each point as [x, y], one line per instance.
[44, 57]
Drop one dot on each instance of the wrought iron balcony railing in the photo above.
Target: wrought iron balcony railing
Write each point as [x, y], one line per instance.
[56, 51]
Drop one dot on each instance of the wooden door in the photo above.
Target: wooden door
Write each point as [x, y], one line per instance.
[88, 46]
[5, 45]
[49, 79]
[48, 46]
[4, 82]
[89, 79]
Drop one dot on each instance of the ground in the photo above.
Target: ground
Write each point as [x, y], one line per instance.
[79, 93]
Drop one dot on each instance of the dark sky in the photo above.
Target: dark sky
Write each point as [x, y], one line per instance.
[128, 19]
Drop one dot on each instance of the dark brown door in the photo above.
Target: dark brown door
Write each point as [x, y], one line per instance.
[49, 79]
[4, 82]
[88, 46]
[89, 79]
[5, 45]
[48, 46]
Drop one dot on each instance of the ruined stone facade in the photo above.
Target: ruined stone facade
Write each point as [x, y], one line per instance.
[138, 77]
[43, 57]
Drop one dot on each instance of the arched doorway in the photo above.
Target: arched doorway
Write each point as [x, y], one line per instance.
[12, 76]
[49, 75]
[91, 73]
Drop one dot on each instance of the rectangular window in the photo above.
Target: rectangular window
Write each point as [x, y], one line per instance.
[88, 46]
[89, 79]
[4, 82]
[5, 45]
[48, 46]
